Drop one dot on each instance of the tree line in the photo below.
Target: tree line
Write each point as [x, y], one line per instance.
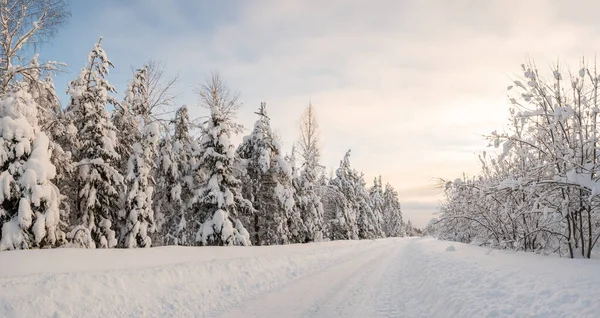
[101, 172]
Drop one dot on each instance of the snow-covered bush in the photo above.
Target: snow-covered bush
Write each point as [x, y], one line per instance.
[540, 191]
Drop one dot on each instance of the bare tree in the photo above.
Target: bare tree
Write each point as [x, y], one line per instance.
[216, 96]
[309, 143]
[26, 23]
[160, 88]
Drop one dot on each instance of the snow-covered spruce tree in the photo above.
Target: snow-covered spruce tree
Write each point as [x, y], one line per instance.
[392, 213]
[306, 181]
[308, 202]
[51, 121]
[26, 23]
[369, 219]
[137, 218]
[127, 125]
[173, 187]
[297, 232]
[216, 197]
[344, 202]
[308, 205]
[128, 128]
[267, 184]
[377, 203]
[43, 93]
[335, 206]
[410, 230]
[29, 201]
[98, 178]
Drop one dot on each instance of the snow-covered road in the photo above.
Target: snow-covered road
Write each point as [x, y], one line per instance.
[409, 277]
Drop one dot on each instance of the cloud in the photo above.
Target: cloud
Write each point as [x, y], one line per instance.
[409, 86]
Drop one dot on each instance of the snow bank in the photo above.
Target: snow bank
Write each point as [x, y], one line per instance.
[157, 282]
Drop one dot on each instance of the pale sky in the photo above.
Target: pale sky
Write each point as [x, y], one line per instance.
[409, 86]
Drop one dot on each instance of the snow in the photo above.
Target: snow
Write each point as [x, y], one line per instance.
[512, 184]
[407, 277]
[12, 235]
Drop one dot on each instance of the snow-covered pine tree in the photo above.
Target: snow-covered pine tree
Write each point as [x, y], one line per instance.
[267, 184]
[173, 183]
[128, 130]
[51, 121]
[308, 204]
[137, 219]
[98, 179]
[335, 207]
[369, 220]
[29, 201]
[306, 183]
[344, 202]
[216, 197]
[378, 202]
[411, 230]
[43, 93]
[127, 126]
[297, 233]
[392, 214]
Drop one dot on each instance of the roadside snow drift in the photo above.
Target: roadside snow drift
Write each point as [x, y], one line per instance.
[383, 278]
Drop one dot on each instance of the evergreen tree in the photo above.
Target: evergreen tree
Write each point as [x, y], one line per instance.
[127, 127]
[392, 214]
[29, 201]
[308, 198]
[267, 184]
[216, 197]
[98, 179]
[411, 230]
[52, 122]
[369, 219]
[378, 203]
[173, 183]
[344, 202]
[308, 204]
[137, 218]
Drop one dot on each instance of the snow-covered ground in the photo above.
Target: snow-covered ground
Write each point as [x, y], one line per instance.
[409, 277]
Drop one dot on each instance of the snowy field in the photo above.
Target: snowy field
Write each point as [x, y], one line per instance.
[409, 277]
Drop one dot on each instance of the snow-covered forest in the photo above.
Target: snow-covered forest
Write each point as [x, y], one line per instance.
[114, 170]
[539, 191]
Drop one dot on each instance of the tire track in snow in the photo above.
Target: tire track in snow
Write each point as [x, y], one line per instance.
[392, 297]
[344, 289]
[354, 295]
